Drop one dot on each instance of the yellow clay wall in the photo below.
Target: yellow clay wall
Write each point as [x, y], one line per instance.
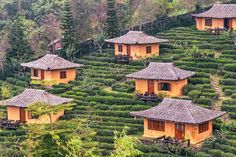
[44, 119]
[13, 113]
[234, 24]
[191, 131]
[200, 23]
[141, 86]
[55, 75]
[138, 51]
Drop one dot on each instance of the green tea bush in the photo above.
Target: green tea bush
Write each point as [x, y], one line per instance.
[229, 82]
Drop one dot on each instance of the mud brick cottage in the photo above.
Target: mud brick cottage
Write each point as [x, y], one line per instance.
[54, 45]
[52, 68]
[179, 119]
[219, 16]
[161, 78]
[135, 45]
[16, 106]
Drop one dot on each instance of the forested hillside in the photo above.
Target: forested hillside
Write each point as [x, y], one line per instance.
[98, 123]
[42, 21]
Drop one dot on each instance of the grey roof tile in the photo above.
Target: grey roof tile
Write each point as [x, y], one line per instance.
[51, 62]
[161, 71]
[219, 11]
[136, 37]
[181, 111]
[29, 96]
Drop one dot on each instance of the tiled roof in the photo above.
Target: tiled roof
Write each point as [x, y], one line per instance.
[29, 96]
[181, 111]
[53, 42]
[51, 62]
[161, 71]
[136, 37]
[219, 11]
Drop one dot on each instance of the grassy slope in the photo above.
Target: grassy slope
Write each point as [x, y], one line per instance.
[109, 108]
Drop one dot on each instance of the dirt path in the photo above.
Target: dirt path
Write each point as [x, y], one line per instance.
[217, 104]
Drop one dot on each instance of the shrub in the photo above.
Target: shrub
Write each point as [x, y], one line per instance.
[203, 100]
[230, 67]
[57, 90]
[202, 154]
[194, 94]
[229, 52]
[230, 82]
[228, 92]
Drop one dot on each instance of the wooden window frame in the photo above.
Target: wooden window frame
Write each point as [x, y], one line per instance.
[163, 85]
[148, 49]
[156, 125]
[120, 48]
[63, 74]
[203, 127]
[208, 22]
[31, 116]
[35, 72]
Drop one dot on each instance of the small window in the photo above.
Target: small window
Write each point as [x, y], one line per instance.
[203, 127]
[208, 22]
[31, 116]
[35, 73]
[120, 48]
[63, 74]
[148, 49]
[156, 125]
[164, 86]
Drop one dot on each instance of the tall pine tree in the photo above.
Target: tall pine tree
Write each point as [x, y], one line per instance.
[20, 49]
[112, 19]
[69, 39]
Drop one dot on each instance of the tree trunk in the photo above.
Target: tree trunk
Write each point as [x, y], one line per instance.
[50, 117]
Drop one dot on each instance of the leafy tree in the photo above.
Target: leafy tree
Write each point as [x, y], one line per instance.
[69, 138]
[42, 108]
[197, 53]
[100, 40]
[71, 52]
[112, 19]
[20, 49]
[125, 145]
[68, 40]
[75, 147]
[44, 83]
[5, 91]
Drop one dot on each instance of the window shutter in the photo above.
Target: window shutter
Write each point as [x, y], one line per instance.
[159, 86]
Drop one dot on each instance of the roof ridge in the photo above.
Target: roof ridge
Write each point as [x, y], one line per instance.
[139, 37]
[190, 113]
[174, 71]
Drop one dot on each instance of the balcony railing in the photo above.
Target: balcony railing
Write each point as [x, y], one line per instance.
[216, 31]
[9, 124]
[148, 97]
[165, 141]
[123, 58]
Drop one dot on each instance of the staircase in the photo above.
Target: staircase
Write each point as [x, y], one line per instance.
[215, 82]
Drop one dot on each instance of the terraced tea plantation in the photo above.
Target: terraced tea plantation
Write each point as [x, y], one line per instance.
[105, 97]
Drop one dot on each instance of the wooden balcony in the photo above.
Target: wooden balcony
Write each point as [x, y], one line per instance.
[165, 141]
[123, 58]
[148, 97]
[216, 31]
[9, 124]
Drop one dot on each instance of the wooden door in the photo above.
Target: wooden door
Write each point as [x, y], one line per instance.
[226, 23]
[150, 86]
[179, 131]
[22, 115]
[230, 23]
[128, 50]
[42, 74]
